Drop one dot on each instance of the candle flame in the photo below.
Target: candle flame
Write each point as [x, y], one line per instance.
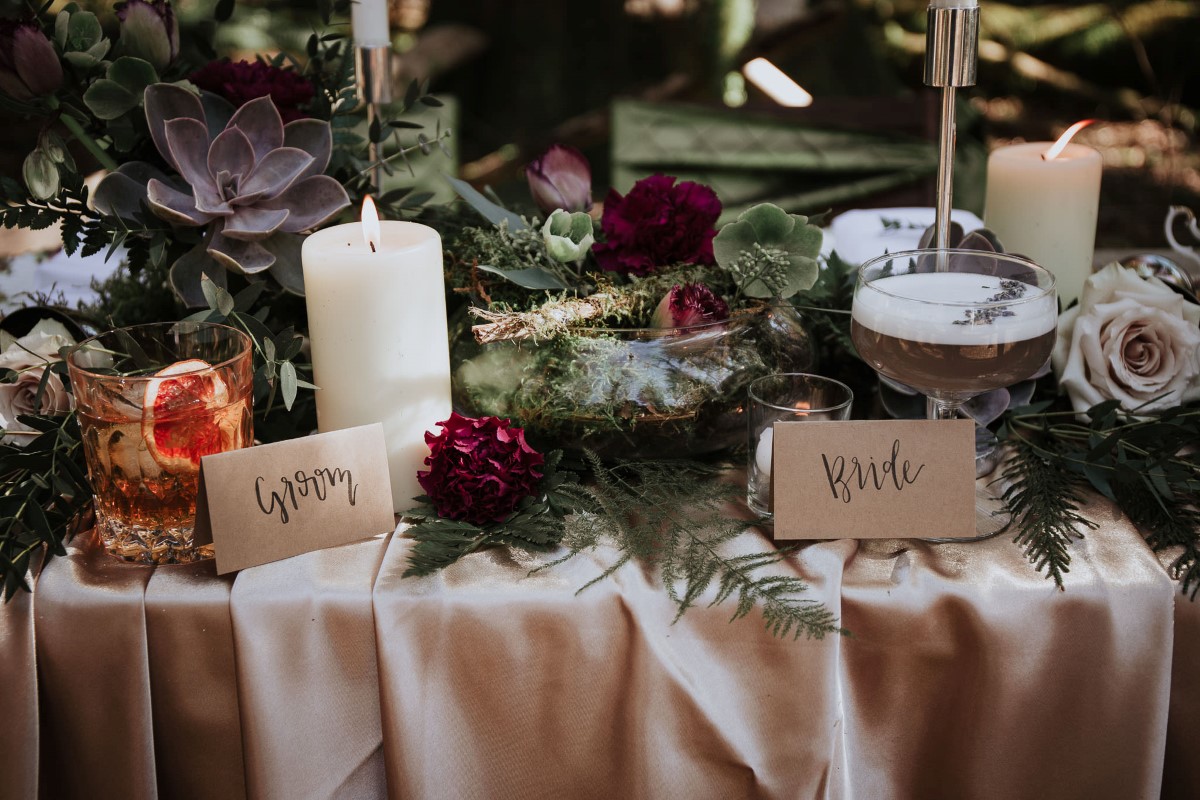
[370, 224]
[1057, 148]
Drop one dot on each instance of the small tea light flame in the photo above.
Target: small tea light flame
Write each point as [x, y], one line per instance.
[1057, 148]
[370, 224]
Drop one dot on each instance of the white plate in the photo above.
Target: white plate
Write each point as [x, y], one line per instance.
[861, 235]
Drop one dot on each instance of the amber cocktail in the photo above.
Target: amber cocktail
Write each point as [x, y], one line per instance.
[152, 401]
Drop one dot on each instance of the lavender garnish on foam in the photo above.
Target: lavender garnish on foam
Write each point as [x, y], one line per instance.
[1009, 290]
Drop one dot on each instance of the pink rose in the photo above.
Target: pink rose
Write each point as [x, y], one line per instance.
[23, 361]
[1130, 339]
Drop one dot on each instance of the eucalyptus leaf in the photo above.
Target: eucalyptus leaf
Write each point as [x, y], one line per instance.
[288, 383]
[41, 175]
[108, 99]
[492, 212]
[134, 74]
[531, 278]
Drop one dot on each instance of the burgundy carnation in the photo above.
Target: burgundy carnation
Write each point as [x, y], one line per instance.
[242, 81]
[690, 304]
[658, 224]
[479, 469]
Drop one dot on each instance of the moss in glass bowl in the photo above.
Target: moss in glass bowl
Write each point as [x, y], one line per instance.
[632, 392]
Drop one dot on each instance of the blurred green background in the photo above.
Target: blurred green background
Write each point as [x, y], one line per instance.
[644, 85]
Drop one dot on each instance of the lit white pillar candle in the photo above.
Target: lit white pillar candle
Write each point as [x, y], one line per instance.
[377, 322]
[369, 22]
[1045, 208]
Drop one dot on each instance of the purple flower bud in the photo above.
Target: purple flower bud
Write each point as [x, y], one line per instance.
[29, 67]
[560, 178]
[149, 31]
[687, 305]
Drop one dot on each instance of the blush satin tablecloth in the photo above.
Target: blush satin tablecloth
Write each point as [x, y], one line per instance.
[968, 675]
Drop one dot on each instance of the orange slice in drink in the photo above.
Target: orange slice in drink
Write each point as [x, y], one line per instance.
[182, 414]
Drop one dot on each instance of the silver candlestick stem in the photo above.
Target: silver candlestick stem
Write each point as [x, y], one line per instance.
[374, 69]
[951, 61]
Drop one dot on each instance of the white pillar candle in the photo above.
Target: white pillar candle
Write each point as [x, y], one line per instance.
[1045, 209]
[369, 22]
[377, 323]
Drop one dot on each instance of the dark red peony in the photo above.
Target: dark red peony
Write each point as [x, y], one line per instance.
[479, 469]
[658, 224]
[689, 304]
[239, 82]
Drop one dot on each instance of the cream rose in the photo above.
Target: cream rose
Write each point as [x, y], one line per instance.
[28, 357]
[39, 346]
[1130, 339]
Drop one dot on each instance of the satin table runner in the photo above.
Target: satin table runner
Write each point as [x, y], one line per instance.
[968, 675]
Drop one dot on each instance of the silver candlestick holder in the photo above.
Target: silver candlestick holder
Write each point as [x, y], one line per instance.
[373, 65]
[951, 62]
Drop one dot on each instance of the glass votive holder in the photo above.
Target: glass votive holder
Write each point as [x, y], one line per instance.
[785, 397]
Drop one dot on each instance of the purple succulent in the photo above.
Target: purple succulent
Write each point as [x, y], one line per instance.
[149, 31]
[253, 186]
[560, 178]
[29, 67]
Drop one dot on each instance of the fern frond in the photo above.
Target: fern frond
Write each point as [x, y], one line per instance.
[672, 515]
[1043, 500]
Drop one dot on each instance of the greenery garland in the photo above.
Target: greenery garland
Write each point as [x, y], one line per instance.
[672, 516]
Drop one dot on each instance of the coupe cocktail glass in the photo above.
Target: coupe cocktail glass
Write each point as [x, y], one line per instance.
[152, 401]
[954, 323]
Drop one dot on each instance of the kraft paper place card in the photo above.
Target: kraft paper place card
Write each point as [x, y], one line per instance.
[274, 501]
[874, 480]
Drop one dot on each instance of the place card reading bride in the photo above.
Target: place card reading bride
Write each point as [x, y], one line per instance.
[280, 500]
[874, 480]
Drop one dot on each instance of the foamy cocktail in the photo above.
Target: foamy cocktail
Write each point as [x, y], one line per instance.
[981, 322]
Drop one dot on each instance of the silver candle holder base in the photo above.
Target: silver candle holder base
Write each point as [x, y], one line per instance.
[373, 68]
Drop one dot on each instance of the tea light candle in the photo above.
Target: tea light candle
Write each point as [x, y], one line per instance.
[764, 452]
[377, 322]
[1045, 208]
[369, 22]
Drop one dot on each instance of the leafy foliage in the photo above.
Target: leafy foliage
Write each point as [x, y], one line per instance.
[1045, 506]
[673, 515]
[45, 494]
[1146, 465]
[274, 369]
[669, 514]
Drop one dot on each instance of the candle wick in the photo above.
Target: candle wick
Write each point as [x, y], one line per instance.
[372, 246]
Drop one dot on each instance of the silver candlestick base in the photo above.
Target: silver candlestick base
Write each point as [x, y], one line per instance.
[373, 65]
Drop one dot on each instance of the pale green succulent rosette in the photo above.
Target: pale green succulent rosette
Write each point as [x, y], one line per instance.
[769, 252]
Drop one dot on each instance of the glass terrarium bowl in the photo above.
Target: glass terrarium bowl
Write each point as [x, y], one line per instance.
[631, 392]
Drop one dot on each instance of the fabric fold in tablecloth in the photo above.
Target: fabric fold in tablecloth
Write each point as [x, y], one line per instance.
[307, 673]
[967, 674]
[19, 741]
[94, 677]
